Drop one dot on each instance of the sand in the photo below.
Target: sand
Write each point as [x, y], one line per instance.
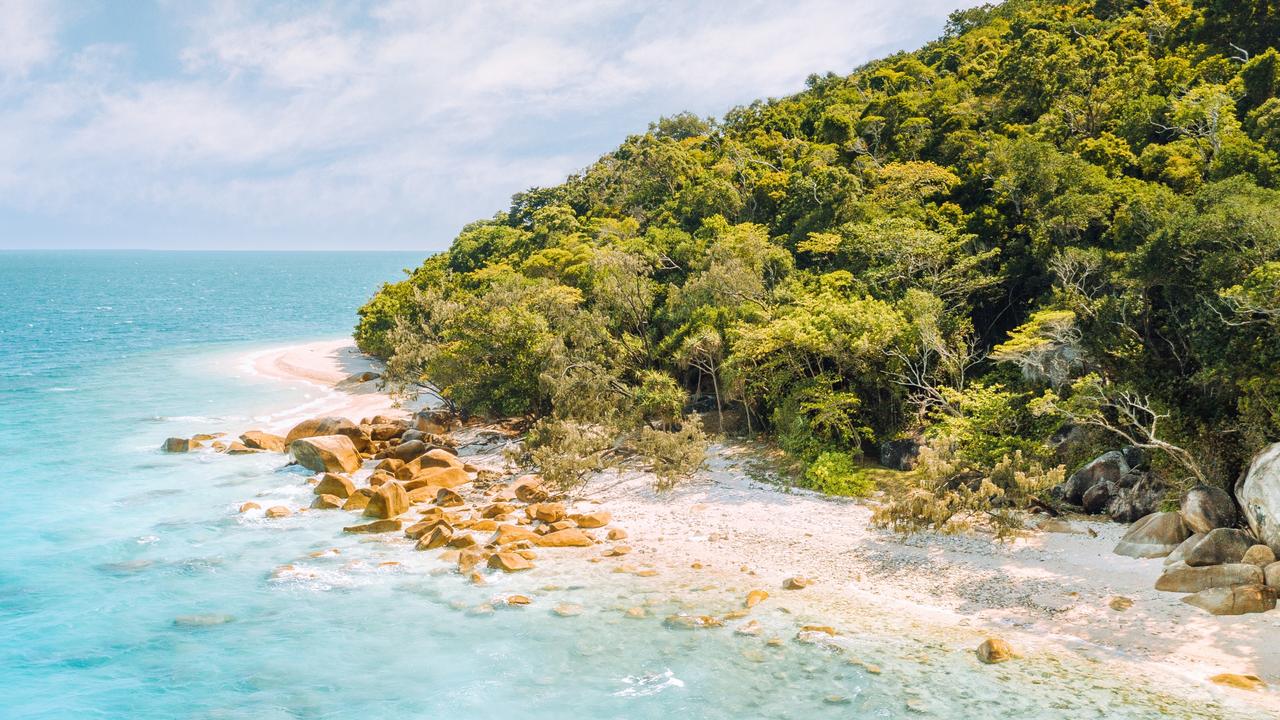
[1047, 592]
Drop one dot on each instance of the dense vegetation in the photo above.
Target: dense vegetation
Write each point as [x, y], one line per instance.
[1055, 214]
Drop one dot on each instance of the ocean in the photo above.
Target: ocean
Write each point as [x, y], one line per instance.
[130, 586]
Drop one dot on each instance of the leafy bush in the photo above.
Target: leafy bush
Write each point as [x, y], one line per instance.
[837, 473]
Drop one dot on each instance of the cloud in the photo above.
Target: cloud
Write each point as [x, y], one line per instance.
[392, 123]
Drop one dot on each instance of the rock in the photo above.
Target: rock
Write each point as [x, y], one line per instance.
[447, 477]
[377, 526]
[418, 529]
[388, 501]
[421, 494]
[388, 465]
[448, 498]
[357, 501]
[435, 458]
[203, 620]
[572, 537]
[528, 489]
[246, 507]
[900, 454]
[618, 551]
[507, 534]
[1180, 553]
[1259, 494]
[636, 613]
[326, 453]
[323, 426]
[1238, 600]
[1206, 508]
[1136, 495]
[499, 509]
[462, 540]
[1120, 603]
[1107, 467]
[509, 562]
[258, 440]
[1223, 545]
[331, 484]
[1185, 578]
[1095, 499]
[1271, 574]
[406, 452]
[385, 431]
[796, 583]
[546, 512]
[567, 609]
[358, 378]
[617, 534]
[179, 445]
[755, 597]
[238, 448]
[1155, 535]
[1259, 555]
[278, 511]
[438, 537]
[436, 422]
[327, 502]
[994, 650]
[1135, 457]
[597, 519]
[1239, 682]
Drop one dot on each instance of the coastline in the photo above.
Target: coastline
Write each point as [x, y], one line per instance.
[1048, 593]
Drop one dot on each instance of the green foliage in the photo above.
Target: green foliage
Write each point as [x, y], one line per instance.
[837, 473]
[1047, 193]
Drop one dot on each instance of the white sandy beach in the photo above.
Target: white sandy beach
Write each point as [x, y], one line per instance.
[1047, 593]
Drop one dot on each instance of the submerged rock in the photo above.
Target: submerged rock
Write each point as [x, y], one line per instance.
[1259, 494]
[1238, 600]
[179, 445]
[1155, 535]
[1206, 508]
[326, 453]
[377, 526]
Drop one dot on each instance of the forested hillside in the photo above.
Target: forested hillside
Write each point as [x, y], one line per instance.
[1056, 214]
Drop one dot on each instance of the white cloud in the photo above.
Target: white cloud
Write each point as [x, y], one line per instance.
[400, 123]
[27, 30]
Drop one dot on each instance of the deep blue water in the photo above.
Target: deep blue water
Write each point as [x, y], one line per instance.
[106, 542]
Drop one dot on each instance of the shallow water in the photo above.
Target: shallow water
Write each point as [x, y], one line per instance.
[131, 587]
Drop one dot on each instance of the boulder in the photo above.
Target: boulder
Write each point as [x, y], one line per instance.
[597, 519]
[179, 445]
[1259, 555]
[462, 540]
[258, 440]
[388, 501]
[994, 650]
[377, 526]
[445, 477]
[572, 537]
[509, 562]
[1223, 545]
[1271, 574]
[528, 489]
[388, 465]
[1180, 553]
[358, 378]
[1206, 508]
[436, 422]
[1237, 600]
[405, 452]
[1259, 494]
[237, 448]
[1187, 579]
[418, 529]
[755, 597]
[1155, 535]
[331, 484]
[507, 534]
[1239, 682]
[1096, 498]
[900, 454]
[449, 498]
[1107, 467]
[320, 426]
[438, 537]
[357, 501]
[796, 583]
[546, 512]
[326, 453]
[246, 507]
[327, 502]
[278, 511]
[1135, 457]
[1137, 494]
[385, 431]
[435, 458]
[421, 493]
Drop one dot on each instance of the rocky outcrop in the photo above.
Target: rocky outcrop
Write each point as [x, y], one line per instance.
[1224, 545]
[320, 426]
[1107, 467]
[1137, 494]
[1237, 600]
[1259, 494]
[258, 440]
[1180, 577]
[326, 453]
[1113, 483]
[1155, 535]
[179, 445]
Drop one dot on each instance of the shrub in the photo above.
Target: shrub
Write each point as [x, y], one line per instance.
[837, 473]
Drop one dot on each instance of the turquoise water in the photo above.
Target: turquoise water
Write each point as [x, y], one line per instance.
[108, 544]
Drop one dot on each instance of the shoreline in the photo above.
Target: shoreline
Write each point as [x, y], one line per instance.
[1047, 593]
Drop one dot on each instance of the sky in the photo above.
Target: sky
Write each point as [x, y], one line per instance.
[382, 124]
